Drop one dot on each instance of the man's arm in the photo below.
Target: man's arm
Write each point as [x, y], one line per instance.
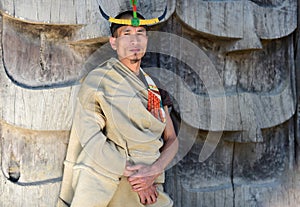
[143, 176]
[88, 126]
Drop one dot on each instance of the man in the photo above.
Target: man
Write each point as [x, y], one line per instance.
[116, 156]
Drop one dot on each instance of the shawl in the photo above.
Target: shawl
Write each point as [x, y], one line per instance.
[111, 125]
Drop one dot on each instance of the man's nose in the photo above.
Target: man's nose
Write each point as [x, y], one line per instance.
[134, 38]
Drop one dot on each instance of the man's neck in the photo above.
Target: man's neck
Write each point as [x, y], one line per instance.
[133, 65]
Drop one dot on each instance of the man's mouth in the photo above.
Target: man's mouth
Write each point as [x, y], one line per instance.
[135, 50]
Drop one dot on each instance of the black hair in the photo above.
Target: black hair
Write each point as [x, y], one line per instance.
[124, 15]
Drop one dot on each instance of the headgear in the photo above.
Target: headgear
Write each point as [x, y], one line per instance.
[136, 20]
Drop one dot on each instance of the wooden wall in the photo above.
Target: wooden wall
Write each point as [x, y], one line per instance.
[232, 68]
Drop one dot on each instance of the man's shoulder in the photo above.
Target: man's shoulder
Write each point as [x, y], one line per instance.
[100, 70]
[104, 75]
[106, 65]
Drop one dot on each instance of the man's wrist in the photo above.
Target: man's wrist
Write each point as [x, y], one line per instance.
[157, 169]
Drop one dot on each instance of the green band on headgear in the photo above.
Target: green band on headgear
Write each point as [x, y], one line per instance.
[135, 21]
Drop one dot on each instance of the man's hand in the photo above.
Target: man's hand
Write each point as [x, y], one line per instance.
[141, 176]
[159, 113]
[128, 172]
[148, 196]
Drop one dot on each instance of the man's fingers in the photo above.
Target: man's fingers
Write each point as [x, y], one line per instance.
[159, 114]
[142, 199]
[154, 199]
[133, 167]
[135, 183]
[155, 113]
[139, 184]
[162, 115]
[149, 195]
[134, 180]
[128, 173]
[138, 187]
[153, 195]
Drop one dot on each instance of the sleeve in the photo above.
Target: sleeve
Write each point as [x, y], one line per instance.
[88, 145]
[89, 123]
[166, 99]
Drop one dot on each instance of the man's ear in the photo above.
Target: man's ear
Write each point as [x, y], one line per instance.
[112, 41]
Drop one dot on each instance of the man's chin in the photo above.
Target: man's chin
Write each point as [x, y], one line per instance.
[135, 58]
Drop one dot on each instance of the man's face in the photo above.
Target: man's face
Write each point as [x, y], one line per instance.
[130, 43]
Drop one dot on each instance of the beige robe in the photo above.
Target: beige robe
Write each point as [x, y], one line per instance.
[111, 125]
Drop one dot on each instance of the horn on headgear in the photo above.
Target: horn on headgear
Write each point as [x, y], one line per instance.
[134, 21]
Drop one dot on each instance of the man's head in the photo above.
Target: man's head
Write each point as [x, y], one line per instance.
[124, 15]
[130, 42]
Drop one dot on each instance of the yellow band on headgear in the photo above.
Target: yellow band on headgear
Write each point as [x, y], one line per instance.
[129, 22]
